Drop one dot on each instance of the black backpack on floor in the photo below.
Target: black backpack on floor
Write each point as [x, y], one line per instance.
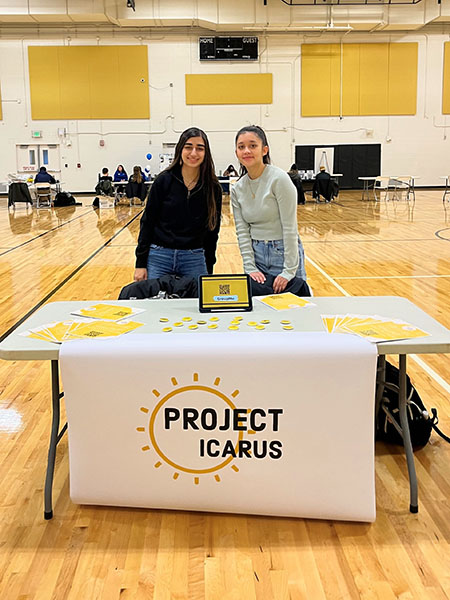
[421, 423]
[64, 199]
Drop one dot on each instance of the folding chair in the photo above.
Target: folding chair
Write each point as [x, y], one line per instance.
[105, 190]
[327, 188]
[395, 188]
[18, 192]
[137, 191]
[43, 193]
[120, 192]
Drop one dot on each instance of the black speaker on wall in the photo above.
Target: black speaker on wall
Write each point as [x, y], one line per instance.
[352, 160]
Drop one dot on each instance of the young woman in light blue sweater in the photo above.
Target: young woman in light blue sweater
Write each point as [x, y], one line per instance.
[265, 212]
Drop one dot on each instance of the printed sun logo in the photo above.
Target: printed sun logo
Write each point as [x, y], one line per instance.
[194, 429]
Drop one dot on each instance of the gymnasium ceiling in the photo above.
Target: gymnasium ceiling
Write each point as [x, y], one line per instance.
[246, 17]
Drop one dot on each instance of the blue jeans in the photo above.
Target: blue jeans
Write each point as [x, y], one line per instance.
[269, 257]
[168, 261]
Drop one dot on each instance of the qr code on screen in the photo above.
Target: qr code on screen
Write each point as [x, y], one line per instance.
[224, 289]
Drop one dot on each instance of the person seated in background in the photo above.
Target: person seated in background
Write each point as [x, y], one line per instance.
[230, 171]
[323, 174]
[136, 186]
[120, 174]
[104, 185]
[44, 177]
[324, 186]
[297, 181]
[105, 176]
[144, 176]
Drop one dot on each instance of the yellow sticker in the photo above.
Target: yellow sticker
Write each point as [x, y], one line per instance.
[201, 322]
[163, 319]
[288, 327]
[214, 318]
[167, 329]
[178, 324]
[193, 326]
[252, 323]
[265, 321]
[212, 326]
[186, 319]
[235, 327]
[285, 322]
[259, 327]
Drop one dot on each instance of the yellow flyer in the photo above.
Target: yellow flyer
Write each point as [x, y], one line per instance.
[100, 329]
[284, 301]
[109, 312]
[372, 327]
[63, 331]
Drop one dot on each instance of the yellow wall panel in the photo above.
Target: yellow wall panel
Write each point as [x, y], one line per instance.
[402, 95]
[73, 83]
[373, 73]
[335, 80]
[320, 80]
[350, 80]
[377, 79]
[89, 82]
[251, 88]
[43, 68]
[446, 80]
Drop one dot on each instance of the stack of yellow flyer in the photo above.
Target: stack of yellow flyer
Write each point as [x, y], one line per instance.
[372, 327]
[108, 312]
[63, 331]
[284, 301]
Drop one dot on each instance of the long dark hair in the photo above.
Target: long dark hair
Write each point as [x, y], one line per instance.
[207, 171]
[137, 174]
[257, 130]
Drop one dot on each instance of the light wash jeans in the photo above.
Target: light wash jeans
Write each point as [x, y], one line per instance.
[168, 261]
[269, 257]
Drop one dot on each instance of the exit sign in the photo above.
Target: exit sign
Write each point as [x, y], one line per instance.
[36, 134]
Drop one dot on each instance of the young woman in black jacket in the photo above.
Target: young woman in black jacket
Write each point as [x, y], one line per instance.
[181, 221]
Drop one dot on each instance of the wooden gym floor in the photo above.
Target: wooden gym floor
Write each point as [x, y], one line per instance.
[352, 247]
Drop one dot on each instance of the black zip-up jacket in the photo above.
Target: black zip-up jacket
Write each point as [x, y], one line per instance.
[177, 218]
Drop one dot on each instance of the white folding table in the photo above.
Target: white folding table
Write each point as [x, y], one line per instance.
[17, 347]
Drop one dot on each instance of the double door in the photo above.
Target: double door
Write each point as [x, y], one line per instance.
[31, 157]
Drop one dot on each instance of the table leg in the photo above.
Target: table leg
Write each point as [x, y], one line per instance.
[447, 190]
[55, 437]
[411, 190]
[381, 378]
[365, 190]
[374, 190]
[413, 503]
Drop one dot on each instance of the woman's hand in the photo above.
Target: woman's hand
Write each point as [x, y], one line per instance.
[279, 284]
[258, 276]
[140, 274]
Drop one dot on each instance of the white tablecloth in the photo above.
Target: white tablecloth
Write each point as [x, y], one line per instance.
[263, 423]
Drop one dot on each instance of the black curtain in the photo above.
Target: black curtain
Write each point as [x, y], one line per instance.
[352, 160]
